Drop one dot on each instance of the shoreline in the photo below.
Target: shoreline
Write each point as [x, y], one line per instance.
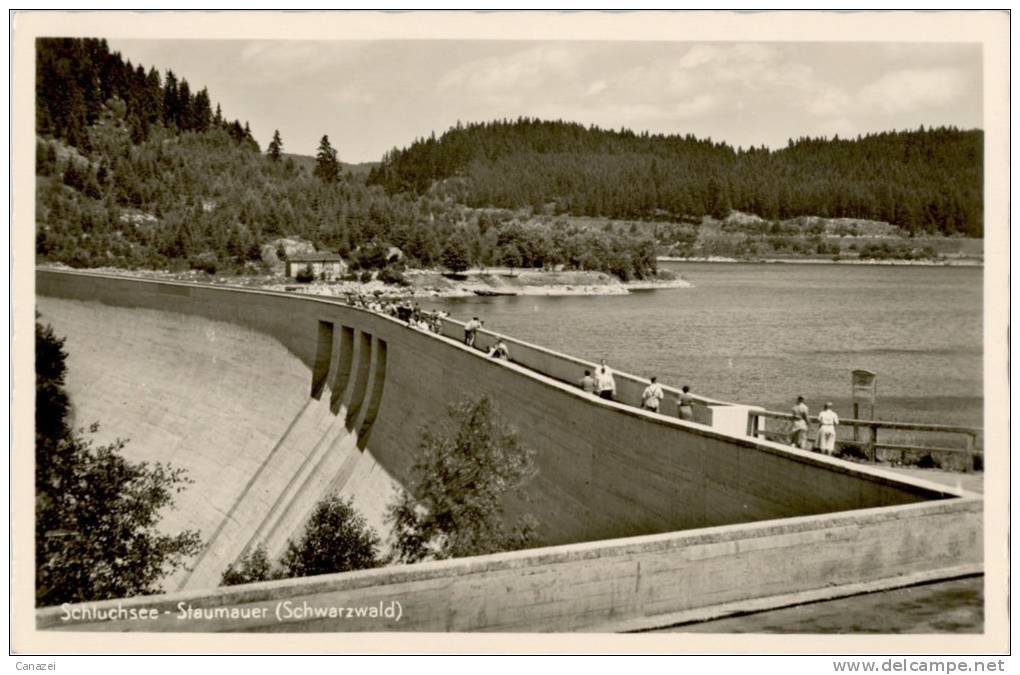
[955, 262]
[424, 283]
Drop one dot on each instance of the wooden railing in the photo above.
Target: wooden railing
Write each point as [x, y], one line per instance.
[873, 448]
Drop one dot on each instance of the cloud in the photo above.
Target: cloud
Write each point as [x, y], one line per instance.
[352, 94]
[827, 101]
[286, 59]
[596, 87]
[699, 55]
[699, 105]
[528, 69]
[912, 89]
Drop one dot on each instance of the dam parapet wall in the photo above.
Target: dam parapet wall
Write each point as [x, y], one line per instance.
[609, 586]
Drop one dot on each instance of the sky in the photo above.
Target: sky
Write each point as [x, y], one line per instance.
[372, 96]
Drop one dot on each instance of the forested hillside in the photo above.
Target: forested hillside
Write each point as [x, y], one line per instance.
[928, 180]
[133, 170]
[136, 170]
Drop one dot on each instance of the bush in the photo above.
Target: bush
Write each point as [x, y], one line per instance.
[371, 255]
[206, 262]
[253, 566]
[852, 451]
[305, 276]
[336, 539]
[391, 275]
[464, 468]
[365, 277]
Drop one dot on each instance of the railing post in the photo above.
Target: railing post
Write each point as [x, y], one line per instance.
[872, 450]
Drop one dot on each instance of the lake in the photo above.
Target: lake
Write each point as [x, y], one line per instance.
[765, 333]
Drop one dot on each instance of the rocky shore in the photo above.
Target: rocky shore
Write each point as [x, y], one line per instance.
[429, 283]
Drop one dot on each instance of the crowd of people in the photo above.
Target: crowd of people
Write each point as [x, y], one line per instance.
[410, 313]
[601, 382]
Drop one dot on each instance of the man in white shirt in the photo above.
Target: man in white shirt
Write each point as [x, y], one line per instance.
[471, 330]
[828, 420]
[605, 381]
[651, 396]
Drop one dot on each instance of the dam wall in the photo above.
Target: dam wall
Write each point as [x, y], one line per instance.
[607, 470]
[623, 585]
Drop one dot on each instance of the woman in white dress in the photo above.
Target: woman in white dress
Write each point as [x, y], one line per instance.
[827, 420]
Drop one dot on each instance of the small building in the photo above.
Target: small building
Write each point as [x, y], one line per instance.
[325, 266]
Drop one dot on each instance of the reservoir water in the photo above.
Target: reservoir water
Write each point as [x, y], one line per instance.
[765, 333]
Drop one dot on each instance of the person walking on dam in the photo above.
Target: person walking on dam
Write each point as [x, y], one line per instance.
[800, 424]
[588, 383]
[471, 331]
[828, 420]
[652, 395]
[685, 404]
[605, 381]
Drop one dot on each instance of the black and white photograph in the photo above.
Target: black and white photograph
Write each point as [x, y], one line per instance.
[687, 329]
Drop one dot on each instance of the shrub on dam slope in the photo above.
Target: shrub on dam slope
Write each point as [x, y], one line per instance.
[336, 539]
[464, 468]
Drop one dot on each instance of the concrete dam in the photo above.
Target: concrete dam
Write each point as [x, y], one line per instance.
[273, 400]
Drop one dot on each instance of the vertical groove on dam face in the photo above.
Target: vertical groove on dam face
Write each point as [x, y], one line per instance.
[378, 385]
[344, 368]
[358, 412]
[323, 358]
[364, 354]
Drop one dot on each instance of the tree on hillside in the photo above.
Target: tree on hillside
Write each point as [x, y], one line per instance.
[201, 111]
[249, 138]
[465, 468]
[171, 102]
[327, 166]
[96, 534]
[456, 255]
[510, 256]
[275, 149]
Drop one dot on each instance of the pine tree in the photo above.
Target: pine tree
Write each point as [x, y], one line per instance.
[184, 104]
[275, 147]
[327, 166]
[201, 111]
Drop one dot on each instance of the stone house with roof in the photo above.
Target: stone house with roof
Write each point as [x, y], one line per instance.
[324, 266]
